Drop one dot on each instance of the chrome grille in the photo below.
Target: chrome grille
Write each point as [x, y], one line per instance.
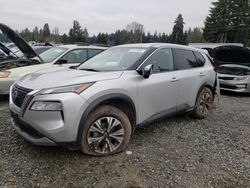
[18, 95]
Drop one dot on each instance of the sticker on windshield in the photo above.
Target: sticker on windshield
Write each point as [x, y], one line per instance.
[137, 50]
[58, 50]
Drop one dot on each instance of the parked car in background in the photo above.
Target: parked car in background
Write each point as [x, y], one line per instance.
[17, 44]
[41, 49]
[27, 59]
[9, 45]
[210, 46]
[37, 49]
[233, 65]
[97, 106]
[63, 56]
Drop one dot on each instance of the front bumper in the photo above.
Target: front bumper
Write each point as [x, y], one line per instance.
[29, 133]
[241, 86]
[49, 127]
[5, 84]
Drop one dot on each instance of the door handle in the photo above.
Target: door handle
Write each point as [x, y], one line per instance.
[174, 79]
[201, 74]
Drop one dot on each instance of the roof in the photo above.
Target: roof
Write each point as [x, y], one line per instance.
[159, 45]
[213, 45]
[73, 46]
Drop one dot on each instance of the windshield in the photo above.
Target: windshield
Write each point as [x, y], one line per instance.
[53, 53]
[114, 59]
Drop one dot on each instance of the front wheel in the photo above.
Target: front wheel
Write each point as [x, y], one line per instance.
[107, 131]
[204, 104]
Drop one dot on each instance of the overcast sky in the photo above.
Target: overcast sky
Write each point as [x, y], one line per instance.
[102, 15]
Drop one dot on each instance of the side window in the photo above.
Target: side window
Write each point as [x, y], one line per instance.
[76, 56]
[93, 52]
[162, 60]
[184, 59]
[200, 59]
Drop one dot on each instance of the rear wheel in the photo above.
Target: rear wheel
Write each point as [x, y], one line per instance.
[107, 131]
[204, 104]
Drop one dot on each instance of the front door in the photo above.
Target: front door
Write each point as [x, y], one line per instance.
[157, 95]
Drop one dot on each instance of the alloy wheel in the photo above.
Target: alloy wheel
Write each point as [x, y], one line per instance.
[105, 135]
[206, 103]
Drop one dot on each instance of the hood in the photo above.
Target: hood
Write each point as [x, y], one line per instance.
[231, 55]
[57, 77]
[18, 41]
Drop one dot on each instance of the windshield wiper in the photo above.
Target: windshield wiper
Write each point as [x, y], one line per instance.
[93, 70]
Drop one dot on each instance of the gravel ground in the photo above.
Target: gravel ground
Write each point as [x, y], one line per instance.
[178, 152]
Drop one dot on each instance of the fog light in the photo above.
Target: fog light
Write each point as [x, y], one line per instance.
[46, 106]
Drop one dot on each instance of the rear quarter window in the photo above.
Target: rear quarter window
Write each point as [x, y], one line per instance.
[199, 59]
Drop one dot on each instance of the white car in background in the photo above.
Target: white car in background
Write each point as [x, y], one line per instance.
[62, 56]
[13, 67]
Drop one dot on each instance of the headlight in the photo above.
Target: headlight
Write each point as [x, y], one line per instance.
[4, 74]
[46, 106]
[73, 88]
[241, 78]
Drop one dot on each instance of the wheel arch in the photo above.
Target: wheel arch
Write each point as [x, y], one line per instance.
[209, 85]
[118, 100]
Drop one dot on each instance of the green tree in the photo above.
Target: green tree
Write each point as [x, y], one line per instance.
[46, 33]
[64, 39]
[77, 34]
[195, 35]
[40, 36]
[26, 34]
[85, 34]
[228, 21]
[177, 35]
[164, 38]
[102, 38]
[35, 34]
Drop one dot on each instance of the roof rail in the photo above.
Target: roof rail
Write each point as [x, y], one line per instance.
[88, 44]
[101, 45]
[81, 43]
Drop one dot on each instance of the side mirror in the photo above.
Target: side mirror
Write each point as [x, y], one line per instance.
[147, 71]
[61, 61]
[73, 67]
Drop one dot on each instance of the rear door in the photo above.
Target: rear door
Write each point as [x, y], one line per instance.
[191, 74]
[157, 95]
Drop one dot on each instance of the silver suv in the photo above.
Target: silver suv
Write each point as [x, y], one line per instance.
[97, 105]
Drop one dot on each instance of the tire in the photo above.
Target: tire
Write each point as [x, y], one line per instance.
[204, 104]
[107, 131]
